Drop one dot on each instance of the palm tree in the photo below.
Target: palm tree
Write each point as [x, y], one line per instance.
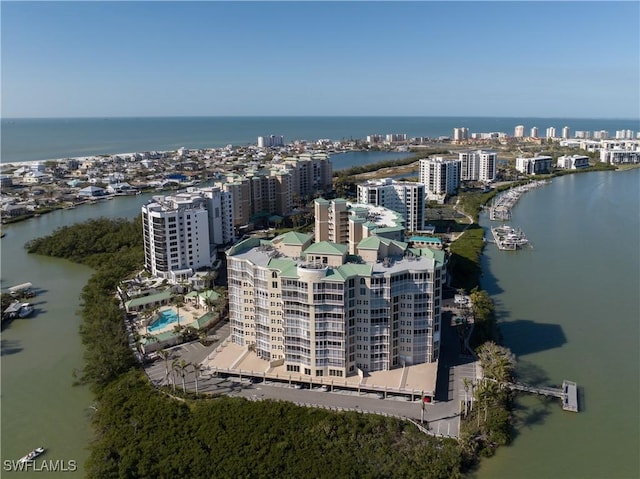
[209, 302]
[174, 369]
[202, 335]
[181, 367]
[466, 383]
[197, 369]
[179, 304]
[164, 354]
[497, 361]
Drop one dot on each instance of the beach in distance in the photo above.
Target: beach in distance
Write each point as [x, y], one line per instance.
[25, 140]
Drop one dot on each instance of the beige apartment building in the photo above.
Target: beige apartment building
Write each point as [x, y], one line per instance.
[320, 310]
[273, 190]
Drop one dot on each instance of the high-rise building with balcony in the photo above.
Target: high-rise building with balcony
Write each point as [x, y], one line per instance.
[270, 141]
[478, 165]
[440, 176]
[309, 173]
[321, 313]
[461, 134]
[181, 232]
[519, 131]
[404, 197]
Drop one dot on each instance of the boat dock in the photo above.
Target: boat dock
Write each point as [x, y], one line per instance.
[501, 206]
[568, 393]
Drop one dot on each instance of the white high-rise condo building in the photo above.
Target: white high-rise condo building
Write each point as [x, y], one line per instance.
[181, 231]
[519, 131]
[404, 197]
[478, 165]
[270, 141]
[440, 176]
[566, 133]
[534, 132]
[600, 135]
[624, 135]
[460, 134]
[395, 137]
[551, 132]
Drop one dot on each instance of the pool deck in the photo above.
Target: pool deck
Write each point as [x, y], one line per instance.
[188, 316]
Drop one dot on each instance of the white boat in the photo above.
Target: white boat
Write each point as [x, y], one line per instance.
[25, 310]
[32, 455]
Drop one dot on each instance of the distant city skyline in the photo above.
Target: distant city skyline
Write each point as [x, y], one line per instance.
[476, 59]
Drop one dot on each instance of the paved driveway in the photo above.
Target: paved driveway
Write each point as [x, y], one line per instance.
[442, 416]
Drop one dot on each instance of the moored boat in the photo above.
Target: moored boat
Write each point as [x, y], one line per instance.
[509, 238]
[32, 455]
[25, 310]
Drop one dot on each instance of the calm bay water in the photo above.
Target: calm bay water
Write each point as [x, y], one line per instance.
[43, 139]
[569, 309]
[40, 406]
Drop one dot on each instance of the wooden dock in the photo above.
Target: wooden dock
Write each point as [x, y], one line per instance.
[570, 400]
[568, 394]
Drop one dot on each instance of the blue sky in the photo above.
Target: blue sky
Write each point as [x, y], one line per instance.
[564, 59]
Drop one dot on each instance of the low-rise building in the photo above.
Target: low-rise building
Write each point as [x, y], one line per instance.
[534, 166]
[573, 162]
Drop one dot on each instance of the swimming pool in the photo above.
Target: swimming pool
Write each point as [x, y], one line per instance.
[165, 318]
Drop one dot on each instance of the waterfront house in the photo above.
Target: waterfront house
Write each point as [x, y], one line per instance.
[91, 192]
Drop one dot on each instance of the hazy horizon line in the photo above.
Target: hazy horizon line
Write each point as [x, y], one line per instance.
[306, 116]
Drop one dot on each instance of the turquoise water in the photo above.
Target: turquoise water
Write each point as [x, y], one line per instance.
[165, 318]
[42, 139]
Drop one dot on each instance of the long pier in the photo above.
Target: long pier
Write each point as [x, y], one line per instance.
[568, 393]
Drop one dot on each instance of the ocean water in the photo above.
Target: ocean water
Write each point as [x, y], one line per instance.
[43, 139]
